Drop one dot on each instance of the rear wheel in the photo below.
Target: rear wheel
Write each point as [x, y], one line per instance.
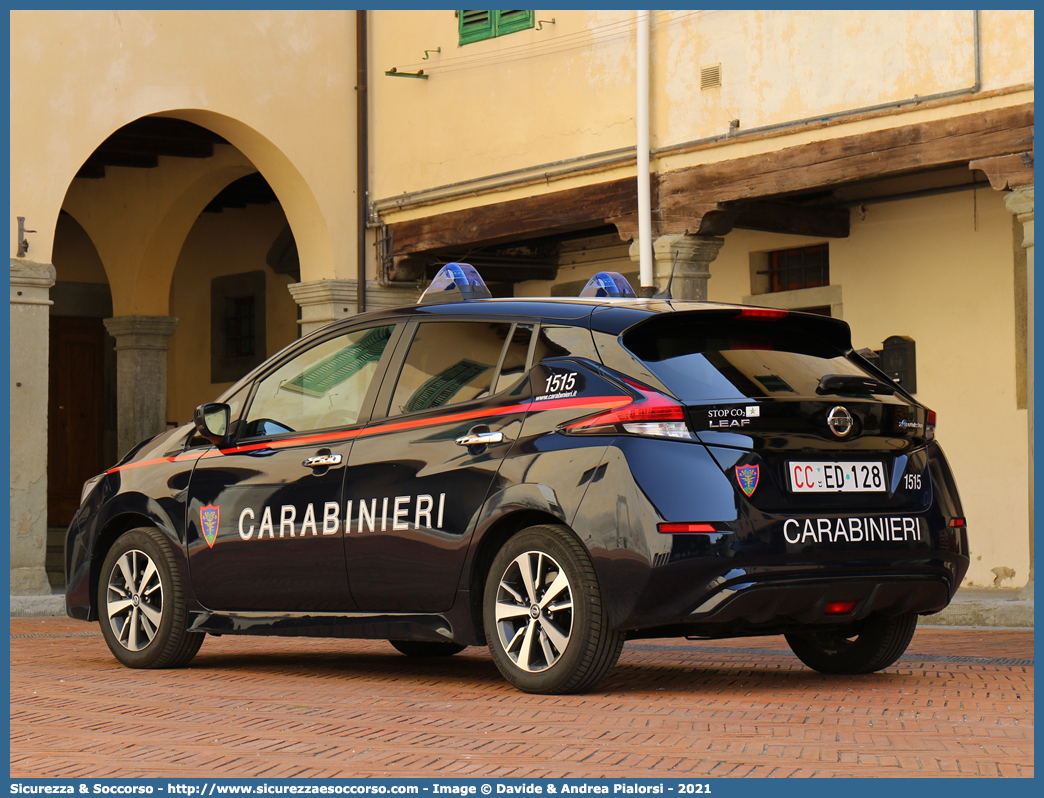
[867, 646]
[545, 621]
[142, 610]
[426, 648]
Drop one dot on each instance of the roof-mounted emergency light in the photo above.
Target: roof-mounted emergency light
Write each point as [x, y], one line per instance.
[608, 284]
[454, 282]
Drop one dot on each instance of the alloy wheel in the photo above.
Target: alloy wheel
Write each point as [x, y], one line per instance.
[134, 600]
[534, 611]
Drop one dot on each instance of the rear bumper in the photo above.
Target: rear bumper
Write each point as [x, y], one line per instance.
[805, 602]
[778, 606]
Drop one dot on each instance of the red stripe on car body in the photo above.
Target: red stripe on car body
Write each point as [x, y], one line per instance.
[594, 403]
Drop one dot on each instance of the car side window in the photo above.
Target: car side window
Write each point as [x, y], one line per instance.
[322, 387]
[450, 362]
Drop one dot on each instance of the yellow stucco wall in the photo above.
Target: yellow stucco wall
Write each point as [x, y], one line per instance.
[778, 66]
[75, 258]
[279, 85]
[568, 90]
[940, 270]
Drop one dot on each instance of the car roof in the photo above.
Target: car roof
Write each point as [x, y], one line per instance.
[605, 314]
[540, 307]
[608, 314]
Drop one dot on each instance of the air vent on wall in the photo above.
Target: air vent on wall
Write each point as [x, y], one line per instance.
[710, 76]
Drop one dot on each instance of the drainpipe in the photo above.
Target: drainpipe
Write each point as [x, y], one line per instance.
[645, 250]
[362, 160]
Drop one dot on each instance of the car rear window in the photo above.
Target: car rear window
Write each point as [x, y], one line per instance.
[719, 357]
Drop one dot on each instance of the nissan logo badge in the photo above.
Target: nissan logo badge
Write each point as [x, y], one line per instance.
[840, 421]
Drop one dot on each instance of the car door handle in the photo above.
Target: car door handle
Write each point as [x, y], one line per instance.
[322, 460]
[480, 438]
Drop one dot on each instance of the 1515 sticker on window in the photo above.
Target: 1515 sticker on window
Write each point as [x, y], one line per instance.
[559, 386]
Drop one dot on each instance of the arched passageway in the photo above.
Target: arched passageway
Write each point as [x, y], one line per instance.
[172, 258]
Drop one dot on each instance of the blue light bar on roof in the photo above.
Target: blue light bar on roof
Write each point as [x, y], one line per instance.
[608, 284]
[454, 282]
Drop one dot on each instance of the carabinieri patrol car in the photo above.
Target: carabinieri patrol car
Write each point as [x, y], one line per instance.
[545, 477]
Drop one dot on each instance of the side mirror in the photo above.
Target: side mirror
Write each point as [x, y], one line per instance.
[212, 421]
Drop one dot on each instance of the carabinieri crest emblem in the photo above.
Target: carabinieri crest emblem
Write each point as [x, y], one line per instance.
[747, 476]
[209, 518]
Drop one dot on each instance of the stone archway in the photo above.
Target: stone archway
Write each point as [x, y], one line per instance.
[138, 220]
[309, 224]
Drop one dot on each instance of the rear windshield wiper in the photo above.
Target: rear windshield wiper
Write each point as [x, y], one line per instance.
[852, 384]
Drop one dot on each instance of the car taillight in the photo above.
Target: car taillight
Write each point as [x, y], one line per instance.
[761, 313]
[652, 413]
[840, 607]
[957, 523]
[929, 427]
[686, 529]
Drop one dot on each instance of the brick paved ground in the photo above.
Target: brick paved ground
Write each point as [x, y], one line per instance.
[275, 707]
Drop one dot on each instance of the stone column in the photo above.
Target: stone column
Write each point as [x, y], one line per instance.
[141, 376]
[30, 287]
[690, 258]
[326, 301]
[392, 295]
[1020, 203]
[323, 302]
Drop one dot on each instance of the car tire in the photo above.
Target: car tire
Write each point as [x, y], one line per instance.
[427, 648]
[545, 620]
[865, 647]
[141, 606]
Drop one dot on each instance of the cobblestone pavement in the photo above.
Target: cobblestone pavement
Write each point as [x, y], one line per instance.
[959, 703]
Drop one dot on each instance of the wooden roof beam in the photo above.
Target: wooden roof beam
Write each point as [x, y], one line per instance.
[687, 195]
[1007, 171]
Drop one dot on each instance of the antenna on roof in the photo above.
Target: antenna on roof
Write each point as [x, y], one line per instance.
[666, 292]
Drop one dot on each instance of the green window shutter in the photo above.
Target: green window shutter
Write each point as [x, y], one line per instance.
[475, 26]
[511, 21]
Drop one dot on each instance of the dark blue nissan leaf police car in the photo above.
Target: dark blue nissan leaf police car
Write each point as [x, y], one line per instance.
[545, 477]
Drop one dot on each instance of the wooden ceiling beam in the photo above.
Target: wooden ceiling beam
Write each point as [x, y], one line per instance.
[881, 154]
[1007, 171]
[159, 127]
[127, 159]
[176, 148]
[700, 199]
[502, 222]
[782, 217]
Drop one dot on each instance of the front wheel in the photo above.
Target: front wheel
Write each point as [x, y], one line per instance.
[140, 601]
[867, 646]
[546, 623]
